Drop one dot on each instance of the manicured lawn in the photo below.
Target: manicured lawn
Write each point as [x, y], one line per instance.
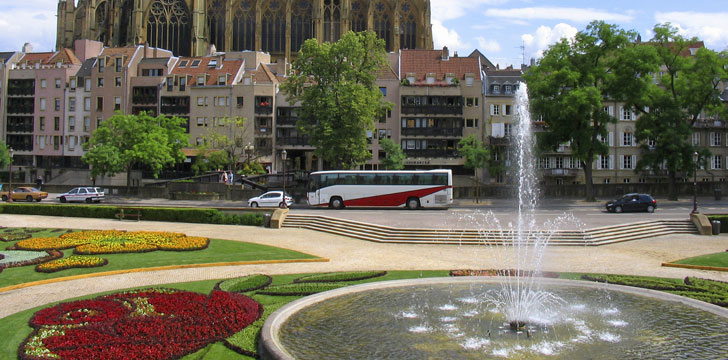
[718, 260]
[218, 251]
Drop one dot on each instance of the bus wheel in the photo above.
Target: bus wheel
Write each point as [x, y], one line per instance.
[413, 203]
[337, 203]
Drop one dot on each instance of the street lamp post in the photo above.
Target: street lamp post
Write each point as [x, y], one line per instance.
[695, 182]
[10, 182]
[284, 156]
[248, 149]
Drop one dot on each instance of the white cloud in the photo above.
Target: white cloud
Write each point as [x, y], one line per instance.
[559, 13]
[544, 36]
[37, 26]
[709, 27]
[444, 10]
[443, 36]
[488, 46]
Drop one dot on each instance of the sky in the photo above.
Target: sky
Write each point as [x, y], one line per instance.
[506, 31]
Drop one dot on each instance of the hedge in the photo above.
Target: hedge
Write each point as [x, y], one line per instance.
[187, 215]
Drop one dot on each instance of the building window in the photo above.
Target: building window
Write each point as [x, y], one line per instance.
[99, 103]
[41, 123]
[58, 83]
[42, 104]
[508, 89]
[117, 103]
[199, 141]
[200, 80]
[651, 143]
[626, 114]
[221, 101]
[87, 104]
[507, 130]
[72, 104]
[87, 86]
[627, 138]
[118, 64]
[57, 104]
[86, 124]
[43, 83]
[71, 123]
[221, 80]
[383, 90]
[201, 100]
[606, 181]
[717, 162]
[182, 83]
[240, 101]
[509, 109]
[625, 180]
[627, 161]
[496, 89]
[57, 123]
[101, 65]
[494, 109]
[100, 82]
[170, 84]
[471, 123]
[117, 81]
[200, 121]
[715, 139]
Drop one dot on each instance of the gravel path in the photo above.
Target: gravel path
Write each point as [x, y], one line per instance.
[640, 257]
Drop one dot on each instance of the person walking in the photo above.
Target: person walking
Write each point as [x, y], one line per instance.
[38, 182]
[224, 177]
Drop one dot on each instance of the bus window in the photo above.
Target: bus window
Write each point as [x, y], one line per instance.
[424, 179]
[385, 179]
[313, 183]
[440, 179]
[328, 179]
[405, 179]
[365, 179]
[347, 179]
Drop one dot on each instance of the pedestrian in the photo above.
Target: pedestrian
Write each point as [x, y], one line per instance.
[224, 177]
[38, 182]
[231, 178]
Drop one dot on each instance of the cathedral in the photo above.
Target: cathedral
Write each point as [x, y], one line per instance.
[279, 27]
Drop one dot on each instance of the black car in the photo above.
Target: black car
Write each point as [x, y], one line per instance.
[632, 202]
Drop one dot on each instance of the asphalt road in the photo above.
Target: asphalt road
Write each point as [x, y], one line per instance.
[465, 213]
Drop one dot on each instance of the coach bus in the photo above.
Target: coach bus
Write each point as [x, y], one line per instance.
[397, 188]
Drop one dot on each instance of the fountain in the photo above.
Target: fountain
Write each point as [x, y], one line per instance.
[515, 315]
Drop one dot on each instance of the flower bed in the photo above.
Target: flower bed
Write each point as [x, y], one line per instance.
[13, 258]
[74, 261]
[114, 241]
[140, 324]
[15, 236]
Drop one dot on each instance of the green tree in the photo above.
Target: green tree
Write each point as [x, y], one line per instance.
[476, 156]
[223, 147]
[335, 83]
[395, 157]
[124, 141]
[687, 85]
[569, 84]
[4, 155]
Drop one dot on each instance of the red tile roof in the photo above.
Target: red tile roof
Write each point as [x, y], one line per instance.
[423, 62]
[66, 56]
[229, 67]
[118, 51]
[30, 59]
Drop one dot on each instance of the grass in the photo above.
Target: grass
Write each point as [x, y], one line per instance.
[716, 260]
[218, 251]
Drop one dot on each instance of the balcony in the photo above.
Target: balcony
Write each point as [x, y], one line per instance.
[286, 121]
[711, 124]
[263, 131]
[433, 131]
[20, 128]
[293, 141]
[264, 110]
[432, 109]
[175, 109]
[560, 172]
[431, 153]
[500, 141]
[143, 100]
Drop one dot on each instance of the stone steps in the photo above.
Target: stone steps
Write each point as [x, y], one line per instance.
[591, 237]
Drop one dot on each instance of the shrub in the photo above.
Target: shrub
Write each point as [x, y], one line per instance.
[300, 289]
[639, 281]
[340, 276]
[244, 284]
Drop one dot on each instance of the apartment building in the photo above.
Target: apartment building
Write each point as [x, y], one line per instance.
[501, 122]
[7, 60]
[441, 102]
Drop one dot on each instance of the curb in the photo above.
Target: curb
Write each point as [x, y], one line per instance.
[158, 268]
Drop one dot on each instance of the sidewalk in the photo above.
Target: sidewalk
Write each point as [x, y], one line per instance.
[643, 257]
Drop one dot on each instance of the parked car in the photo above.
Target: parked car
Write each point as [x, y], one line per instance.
[632, 202]
[26, 193]
[87, 194]
[271, 199]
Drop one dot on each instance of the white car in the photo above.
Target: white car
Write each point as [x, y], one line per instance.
[271, 199]
[87, 194]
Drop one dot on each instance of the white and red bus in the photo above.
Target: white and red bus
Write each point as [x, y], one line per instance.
[397, 188]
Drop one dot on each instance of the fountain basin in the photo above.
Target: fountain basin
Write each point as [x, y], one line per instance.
[445, 318]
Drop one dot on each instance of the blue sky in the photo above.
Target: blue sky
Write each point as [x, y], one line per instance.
[498, 28]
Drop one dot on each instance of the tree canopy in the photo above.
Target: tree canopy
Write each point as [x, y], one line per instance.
[124, 141]
[394, 159]
[335, 83]
[223, 147]
[4, 155]
[476, 156]
[569, 84]
[684, 80]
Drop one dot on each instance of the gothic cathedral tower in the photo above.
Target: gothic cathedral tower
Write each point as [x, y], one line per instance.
[189, 27]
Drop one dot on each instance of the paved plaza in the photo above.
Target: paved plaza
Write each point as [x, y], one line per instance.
[640, 257]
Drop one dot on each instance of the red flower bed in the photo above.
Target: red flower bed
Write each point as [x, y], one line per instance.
[142, 324]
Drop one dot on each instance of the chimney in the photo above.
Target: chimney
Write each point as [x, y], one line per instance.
[455, 54]
[445, 53]
[27, 48]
